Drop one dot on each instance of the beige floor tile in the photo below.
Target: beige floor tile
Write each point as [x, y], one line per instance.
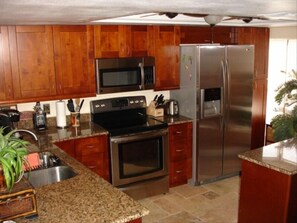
[216, 202]
[182, 217]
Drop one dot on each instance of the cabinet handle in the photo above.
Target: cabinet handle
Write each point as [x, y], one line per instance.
[91, 167]
[178, 132]
[179, 171]
[90, 146]
[179, 150]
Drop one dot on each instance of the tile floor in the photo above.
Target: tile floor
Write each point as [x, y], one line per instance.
[215, 202]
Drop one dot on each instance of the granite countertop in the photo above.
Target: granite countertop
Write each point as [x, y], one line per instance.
[281, 156]
[86, 197]
[174, 119]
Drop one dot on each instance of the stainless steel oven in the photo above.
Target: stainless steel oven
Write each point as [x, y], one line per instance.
[138, 145]
[139, 157]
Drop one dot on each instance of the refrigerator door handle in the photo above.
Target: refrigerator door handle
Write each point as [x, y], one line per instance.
[227, 90]
[224, 97]
[202, 104]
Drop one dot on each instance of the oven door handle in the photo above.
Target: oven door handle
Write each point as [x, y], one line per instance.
[141, 86]
[139, 136]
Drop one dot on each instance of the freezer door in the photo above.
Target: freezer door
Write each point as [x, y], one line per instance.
[238, 105]
[210, 73]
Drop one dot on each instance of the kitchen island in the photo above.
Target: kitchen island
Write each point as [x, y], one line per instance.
[84, 198]
[268, 190]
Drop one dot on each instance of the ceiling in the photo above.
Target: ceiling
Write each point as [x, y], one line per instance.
[31, 12]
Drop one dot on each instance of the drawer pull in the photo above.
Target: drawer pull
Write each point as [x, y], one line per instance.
[178, 132]
[179, 171]
[179, 150]
[90, 146]
[91, 167]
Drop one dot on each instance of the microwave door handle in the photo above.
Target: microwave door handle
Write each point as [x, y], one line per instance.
[141, 86]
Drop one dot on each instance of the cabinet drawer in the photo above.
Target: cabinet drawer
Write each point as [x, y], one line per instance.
[178, 152]
[178, 173]
[178, 132]
[91, 145]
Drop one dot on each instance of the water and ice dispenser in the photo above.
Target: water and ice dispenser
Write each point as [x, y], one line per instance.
[210, 102]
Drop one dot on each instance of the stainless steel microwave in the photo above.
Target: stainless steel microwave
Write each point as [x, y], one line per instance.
[125, 74]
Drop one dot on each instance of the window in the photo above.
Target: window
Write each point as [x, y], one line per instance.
[282, 57]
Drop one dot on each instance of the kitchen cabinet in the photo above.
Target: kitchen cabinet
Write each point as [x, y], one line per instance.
[6, 86]
[266, 195]
[74, 60]
[166, 52]
[46, 63]
[205, 35]
[90, 151]
[180, 153]
[260, 38]
[112, 41]
[32, 61]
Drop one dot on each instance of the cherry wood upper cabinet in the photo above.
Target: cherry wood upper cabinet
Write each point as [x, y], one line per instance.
[166, 52]
[112, 41]
[6, 91]
[32, 61]
[204, 35]
[260, 38]
[74, 60]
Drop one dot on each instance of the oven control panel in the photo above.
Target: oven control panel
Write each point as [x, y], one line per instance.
[117, 104]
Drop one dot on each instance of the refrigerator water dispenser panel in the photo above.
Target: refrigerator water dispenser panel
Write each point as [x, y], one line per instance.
[210, 102]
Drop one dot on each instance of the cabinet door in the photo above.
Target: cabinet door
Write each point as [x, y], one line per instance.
[67, 146]
[140, 41]
[260, 38]
[203, 35]
[6, 91]
[122, 41]
[93, 153]
[32, 61]
[110, 41]
[259, 113]
[166, 52]
[74, 60]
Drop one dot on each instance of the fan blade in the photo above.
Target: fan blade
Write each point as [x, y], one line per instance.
[195, 15]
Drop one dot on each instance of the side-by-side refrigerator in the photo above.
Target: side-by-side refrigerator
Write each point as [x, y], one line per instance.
[216, 86]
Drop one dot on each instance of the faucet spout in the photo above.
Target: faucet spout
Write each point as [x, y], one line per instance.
[27, 131]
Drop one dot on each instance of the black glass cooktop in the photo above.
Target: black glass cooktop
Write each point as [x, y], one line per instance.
[127, 122]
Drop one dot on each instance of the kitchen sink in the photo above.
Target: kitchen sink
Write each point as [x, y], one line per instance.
[52, 170]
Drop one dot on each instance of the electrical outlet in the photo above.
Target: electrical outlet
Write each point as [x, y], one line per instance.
[47, 108]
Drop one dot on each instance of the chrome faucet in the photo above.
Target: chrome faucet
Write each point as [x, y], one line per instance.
[27, 131]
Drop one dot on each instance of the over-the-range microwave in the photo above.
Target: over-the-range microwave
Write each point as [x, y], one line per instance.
[125, 74]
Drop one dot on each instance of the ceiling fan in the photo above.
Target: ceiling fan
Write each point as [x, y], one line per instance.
[212, 20]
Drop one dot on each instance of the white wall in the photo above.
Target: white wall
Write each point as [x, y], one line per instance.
[149, 94]
[289, 32]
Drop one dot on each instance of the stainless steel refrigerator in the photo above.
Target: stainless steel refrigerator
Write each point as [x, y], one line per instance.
[216, 85]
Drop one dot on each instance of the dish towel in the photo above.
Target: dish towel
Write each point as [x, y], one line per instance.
[33, 162]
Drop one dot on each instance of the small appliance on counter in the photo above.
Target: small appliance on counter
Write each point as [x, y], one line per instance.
[39, 117]
[171, 107]
[8, 119]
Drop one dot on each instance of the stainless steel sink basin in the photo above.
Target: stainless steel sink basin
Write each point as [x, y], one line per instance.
[51, 171]
[50, 175]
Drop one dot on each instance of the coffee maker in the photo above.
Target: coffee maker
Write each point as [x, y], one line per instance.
[9, 119]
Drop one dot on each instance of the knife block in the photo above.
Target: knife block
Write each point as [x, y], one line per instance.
[154, 111]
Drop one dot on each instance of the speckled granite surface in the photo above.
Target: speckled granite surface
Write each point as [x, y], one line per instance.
[85, 197]
[281, 157]
[176, 119]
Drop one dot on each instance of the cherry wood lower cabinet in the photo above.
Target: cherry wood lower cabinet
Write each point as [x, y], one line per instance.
[180, 153]
[90, 151]
[138, 220]
[266, 195]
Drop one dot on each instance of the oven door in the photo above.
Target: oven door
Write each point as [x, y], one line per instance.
[139, 157]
